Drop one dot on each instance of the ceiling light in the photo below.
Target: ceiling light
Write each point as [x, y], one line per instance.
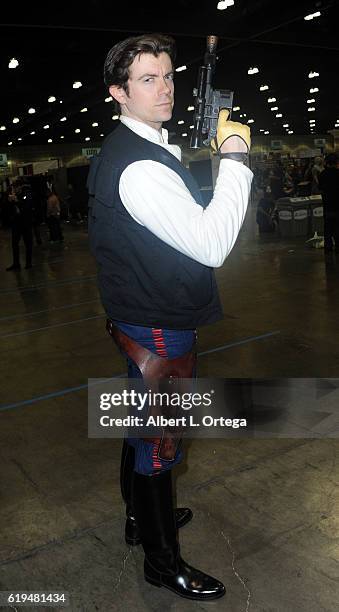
[181, 68]
[32, 133]
[224, 4]
[31, 111]
[46, 126]
[19, 139]
[181, 122]
[84, 110]
[253, 70]
[274, 108]
[16, 120]
[109, 99]
[310, 101]
[312, 16]
[267, 132]
[102, 134]
[62, 136]
[291, 132]
[311, 109]
[51, 99]
[2, 128]
[191, 127]
[263, 87]
[50, 140]
[312, 75]
[269, 100]
[336, 125]
[278, 115]
[262, 130]
[60, 101]
[77, 131]
[13, 63]
[190, 108]
[95, 124]
[286, 125]
[63, 119]
[87, 138]
[184, 134]
[236, 108]
[115, 117]
[77, 84]
[10, 143]
[250, 121]
[314, 90]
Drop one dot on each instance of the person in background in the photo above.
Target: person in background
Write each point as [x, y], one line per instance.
[21, 213]
[277, 180]
[265, 211]
[53, 217]
[317, 169]
[329, 187]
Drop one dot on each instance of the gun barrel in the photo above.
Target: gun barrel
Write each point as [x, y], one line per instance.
[212, 42]
[203, 92]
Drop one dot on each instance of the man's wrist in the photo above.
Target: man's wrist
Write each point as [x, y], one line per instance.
[239, 157]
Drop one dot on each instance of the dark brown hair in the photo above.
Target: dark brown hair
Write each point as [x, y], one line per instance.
[122, 55]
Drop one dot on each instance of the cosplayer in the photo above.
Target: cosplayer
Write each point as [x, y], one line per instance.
[156, 246]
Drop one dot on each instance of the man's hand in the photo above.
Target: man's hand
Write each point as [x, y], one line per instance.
[232, 137]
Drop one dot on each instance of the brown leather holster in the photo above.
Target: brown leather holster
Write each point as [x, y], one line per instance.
[155, 369]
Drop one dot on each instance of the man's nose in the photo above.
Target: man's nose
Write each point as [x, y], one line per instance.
[165, 86]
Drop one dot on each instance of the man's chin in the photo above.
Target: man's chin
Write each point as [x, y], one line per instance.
[166, 115]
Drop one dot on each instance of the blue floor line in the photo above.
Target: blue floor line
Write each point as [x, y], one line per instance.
[37, 329]
[244, 341]
[53, 309]
[56, 283]
[40, 398]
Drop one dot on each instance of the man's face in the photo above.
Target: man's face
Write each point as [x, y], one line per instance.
[151, 90]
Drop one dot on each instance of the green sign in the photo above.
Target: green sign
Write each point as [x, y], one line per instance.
[90, 151]
[3, 160]
[276, 145]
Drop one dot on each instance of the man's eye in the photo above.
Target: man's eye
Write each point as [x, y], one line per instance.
[170, 77]
[148, 80]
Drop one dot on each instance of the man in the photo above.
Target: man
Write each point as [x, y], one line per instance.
[22, 222]
[329, 187]
[155, 246]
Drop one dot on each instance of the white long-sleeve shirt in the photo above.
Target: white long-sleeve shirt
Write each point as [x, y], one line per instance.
[157, 198]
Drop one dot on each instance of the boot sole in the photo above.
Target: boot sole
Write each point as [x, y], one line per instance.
[192, 597]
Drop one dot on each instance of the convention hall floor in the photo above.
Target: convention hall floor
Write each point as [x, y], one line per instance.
[265, 510]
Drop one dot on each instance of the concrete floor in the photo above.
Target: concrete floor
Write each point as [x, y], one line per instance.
[266, 518]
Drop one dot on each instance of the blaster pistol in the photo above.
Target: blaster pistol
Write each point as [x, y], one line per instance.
[208, 101]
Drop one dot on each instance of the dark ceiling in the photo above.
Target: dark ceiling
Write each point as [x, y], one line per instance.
[68, 42]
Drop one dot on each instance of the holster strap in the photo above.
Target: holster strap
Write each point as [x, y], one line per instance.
[153, 367]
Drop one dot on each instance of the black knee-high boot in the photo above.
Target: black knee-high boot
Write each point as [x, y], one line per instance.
[126, 473]
[153, 506]
[132, 536]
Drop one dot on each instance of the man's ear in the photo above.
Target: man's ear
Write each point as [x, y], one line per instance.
[118, 93]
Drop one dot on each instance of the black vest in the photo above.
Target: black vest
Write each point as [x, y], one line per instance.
[142, 280]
